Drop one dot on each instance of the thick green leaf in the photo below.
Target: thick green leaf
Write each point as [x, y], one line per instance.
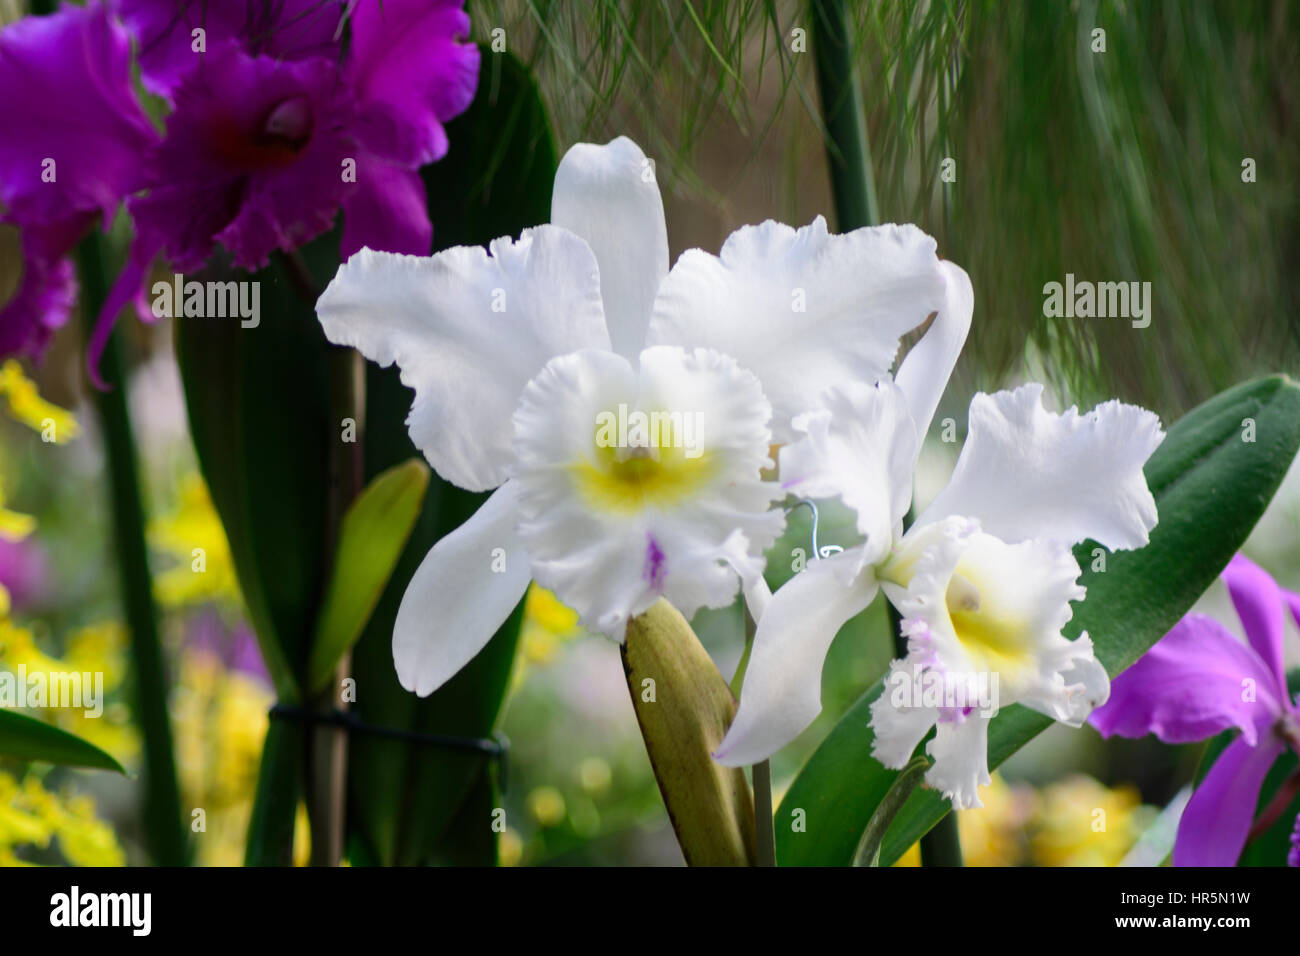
[26, 738]
[495, 181]
[258, 404]
[1210, 485]
[374, 532]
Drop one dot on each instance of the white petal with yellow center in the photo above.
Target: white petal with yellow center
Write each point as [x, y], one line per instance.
[615, 519]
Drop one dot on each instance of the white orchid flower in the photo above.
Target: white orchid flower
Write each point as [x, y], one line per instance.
[983, 579]
[522, 356]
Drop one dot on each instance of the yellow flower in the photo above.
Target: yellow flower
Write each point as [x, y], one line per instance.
[220, 721]
[994, 834]
[546, 806]
[192, 534]
[1084, 823]
[547, 625]
[26, 405]
[30, 816]
[97, 650]
[18, 646]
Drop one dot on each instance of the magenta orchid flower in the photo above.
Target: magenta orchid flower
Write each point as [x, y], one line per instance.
[1198, 681]
[284, 113]
[68, 156]
[276, 127]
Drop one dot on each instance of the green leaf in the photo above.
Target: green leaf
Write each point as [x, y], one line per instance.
[26, 738]
[1210, 485]
[374, 532]
[684, 708]
[279, 791]
[494, 181]
[258, 405]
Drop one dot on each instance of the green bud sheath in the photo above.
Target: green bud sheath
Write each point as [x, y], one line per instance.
[684, 708]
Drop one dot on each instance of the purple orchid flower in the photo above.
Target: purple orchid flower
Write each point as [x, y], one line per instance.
[1199, 680]
[278, 122]
[276, 127]
[71, 148]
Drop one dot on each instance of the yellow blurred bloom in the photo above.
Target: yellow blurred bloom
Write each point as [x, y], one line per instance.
[594, 775]
[18, 646]
[546, 806]
[994, 834]
[30, 816]
[510, 848]
[547, 626]
[1080, 822]
[15, 526]
[192, 534]
[26, 406]
[99, 650]
[1073, 822]
[220, 720]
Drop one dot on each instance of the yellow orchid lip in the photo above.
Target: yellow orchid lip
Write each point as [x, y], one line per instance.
[657, 470]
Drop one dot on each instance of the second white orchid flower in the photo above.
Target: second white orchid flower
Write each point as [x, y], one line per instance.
[527, 359]
[983, 579]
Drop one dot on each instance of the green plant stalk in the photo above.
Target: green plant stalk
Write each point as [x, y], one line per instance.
[764, 824]
[868, 853]
[848, 153]
[327, 755]
[161, 812]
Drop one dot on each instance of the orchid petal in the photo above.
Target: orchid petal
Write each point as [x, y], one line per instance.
[1196, 681]
[608, 196]
[468, 330]
[460, 595]
[1217, 820]
[1260, 606]
[925, 370]
[65, 80]
[412, 70]
[610, 532]
[781, 695]
[802, 309]
[862, 446]
[386, 210]
[1027, 473]
[898, 721]
[961, 760]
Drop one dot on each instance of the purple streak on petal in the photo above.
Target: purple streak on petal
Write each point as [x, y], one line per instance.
[283, 29]
[1189, 686]
[1258, 601]
[385, 209]
[1293, 855]
[65, 81]
[654, 563]
[411, 73]
[1218, 818]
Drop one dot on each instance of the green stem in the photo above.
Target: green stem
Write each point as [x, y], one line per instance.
[942, 845]
[162, 816]
[764, 825]
[868, 853]
[764, 822]
[327, 756]
[848, 152]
